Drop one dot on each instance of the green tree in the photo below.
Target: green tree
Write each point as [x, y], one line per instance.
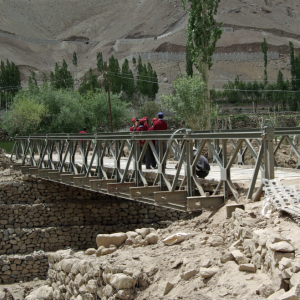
[189, 102]
[74, 59]
[32, 83]
[114, 76]
[100, 63]
[62, 77]
[134, 60]
[189, 62]
[25, 116]
[89, 84]
[202, 36]
[264, 48]
[127, 79]
[45, 81]
[10, 79]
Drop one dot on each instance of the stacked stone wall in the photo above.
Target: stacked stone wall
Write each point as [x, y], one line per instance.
[41, 216]
[23, 268]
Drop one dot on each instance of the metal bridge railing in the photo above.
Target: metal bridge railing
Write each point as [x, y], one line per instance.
[57, 153]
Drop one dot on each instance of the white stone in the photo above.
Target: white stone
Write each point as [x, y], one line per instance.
[295, 279]
[106, 240]
[92, 286]
[123, 294]
[44, 292]
[143, 231]
[239, 257]
[247, 268]
[168, 288]
[295, 266]
[276, 295]
[206, 263]
[282, 247]
[208, 272]
[189, 274]
[151, 238]
[285, 263]
[122, 281]
[132, 234]
[215, 240]
[292, 294]
[90, 251]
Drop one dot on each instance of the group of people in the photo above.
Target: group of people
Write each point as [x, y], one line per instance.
[142, 125]
[202, 167]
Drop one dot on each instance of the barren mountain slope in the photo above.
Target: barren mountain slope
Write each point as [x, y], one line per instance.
[104, 22]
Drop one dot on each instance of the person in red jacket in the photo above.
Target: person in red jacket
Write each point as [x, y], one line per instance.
[141, 127]
[146, 123]
[150, 160]
[133, 121]
[83, 130]
[160, 124]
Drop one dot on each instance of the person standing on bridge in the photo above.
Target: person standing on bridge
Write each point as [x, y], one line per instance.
[142, 142]
[133, 127]
[146, 123]
[160, 124]
[83, 130]
[150, 160]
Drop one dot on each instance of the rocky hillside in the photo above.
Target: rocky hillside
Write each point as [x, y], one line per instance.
[104, 23]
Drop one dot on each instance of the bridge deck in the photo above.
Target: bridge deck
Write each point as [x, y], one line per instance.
[240, 175]
[83, 161]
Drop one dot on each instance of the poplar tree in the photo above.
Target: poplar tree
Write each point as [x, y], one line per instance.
[189, 62]
[74, 61]
[127, 79]
[100, 62]
[32, 83]
[264, 48]
[202, 36]
[62, 77]
[89, 83]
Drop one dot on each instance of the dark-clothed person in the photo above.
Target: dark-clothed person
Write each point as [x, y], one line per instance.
[202, 167]
[150, 160]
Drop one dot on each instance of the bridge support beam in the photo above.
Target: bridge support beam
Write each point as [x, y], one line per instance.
[198, 203]
[100, 184]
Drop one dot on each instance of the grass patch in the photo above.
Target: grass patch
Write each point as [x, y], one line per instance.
[7, 146]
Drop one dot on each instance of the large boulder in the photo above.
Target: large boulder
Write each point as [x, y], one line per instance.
[106, 240]
[44, 292]
[208, 272]
[122, 281]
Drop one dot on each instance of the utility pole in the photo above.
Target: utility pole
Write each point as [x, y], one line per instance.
[108, 91]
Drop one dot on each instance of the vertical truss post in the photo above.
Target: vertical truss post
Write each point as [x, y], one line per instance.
[189, 168]
[137, 163]
[224, 162]
[161, 167]
[269, 152]
[217, 147]
[117, 160]
[99, 159]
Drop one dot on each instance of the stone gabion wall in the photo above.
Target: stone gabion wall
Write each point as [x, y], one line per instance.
[37, 214]
[23, 268]
[75, 276]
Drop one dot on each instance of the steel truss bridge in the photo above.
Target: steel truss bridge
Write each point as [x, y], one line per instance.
[97, 162]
